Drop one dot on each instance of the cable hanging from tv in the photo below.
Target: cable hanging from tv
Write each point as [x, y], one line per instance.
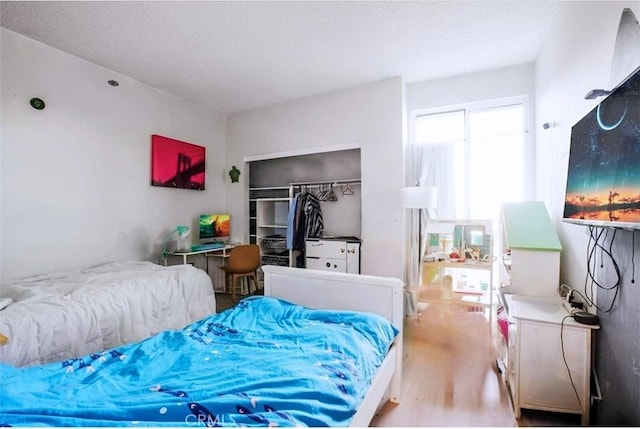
[596, 242]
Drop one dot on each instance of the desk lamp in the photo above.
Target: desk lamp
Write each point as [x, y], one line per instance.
[183, 232]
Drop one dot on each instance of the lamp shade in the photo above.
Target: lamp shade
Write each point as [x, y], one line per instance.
[183, 231]
[419, 197]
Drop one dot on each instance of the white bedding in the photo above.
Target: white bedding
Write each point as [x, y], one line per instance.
[69, 314]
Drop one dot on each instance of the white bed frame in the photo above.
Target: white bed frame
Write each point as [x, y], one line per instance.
[340, 291]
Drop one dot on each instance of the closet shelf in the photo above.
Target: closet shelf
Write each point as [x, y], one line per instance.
[269, 188]
[325, 182]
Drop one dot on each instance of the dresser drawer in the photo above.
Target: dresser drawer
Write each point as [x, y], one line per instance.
[327, 264]
[326, 249]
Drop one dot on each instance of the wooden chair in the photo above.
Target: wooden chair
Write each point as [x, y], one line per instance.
[244, 261]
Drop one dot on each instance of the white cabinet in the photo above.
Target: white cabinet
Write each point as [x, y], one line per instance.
[541, 334]
[541, 339]
[332, 255]
[353, 258]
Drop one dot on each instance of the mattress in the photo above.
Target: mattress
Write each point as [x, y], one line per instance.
[264, 362]
[67, 314]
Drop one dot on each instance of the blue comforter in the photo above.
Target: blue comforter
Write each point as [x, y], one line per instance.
[264, 362]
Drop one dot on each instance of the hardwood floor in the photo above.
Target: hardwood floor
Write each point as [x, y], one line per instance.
[449, 376]
[224, 301]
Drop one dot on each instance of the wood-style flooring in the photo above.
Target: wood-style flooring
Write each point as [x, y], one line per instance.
[449, 376]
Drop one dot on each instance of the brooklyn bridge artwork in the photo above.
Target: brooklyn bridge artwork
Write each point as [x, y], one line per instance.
[177, 164]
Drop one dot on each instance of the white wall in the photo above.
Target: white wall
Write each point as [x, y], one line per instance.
[473, 87]
[370, 115]
[76, 176]
[575, 58]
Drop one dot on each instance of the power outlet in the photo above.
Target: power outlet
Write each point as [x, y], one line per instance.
[564, 291]
[577, 304]
[567, 306]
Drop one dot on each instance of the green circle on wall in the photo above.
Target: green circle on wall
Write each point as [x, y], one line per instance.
[37, 103]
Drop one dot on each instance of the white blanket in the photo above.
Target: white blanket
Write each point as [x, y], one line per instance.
[70, 314]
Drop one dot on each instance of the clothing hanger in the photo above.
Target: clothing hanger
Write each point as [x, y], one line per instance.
[322, 194]
[330, 196]
[347, 190]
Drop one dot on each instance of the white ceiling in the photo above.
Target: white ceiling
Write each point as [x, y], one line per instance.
[236, 55]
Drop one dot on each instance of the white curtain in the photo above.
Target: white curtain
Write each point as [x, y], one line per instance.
[428, 165]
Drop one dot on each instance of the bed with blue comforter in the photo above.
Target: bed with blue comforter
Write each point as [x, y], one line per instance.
[264, 362]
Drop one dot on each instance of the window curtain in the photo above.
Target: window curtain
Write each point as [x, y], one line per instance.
[428, 165]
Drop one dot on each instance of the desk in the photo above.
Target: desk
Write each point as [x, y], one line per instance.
[220, 252]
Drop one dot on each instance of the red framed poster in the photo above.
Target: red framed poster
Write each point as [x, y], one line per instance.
[177, 164]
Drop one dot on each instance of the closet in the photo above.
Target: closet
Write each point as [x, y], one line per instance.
[275, 183]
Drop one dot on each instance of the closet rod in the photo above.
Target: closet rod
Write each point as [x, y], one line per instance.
[325, 182]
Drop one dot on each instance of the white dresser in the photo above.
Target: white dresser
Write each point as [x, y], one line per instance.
[340, 254]
[541, 339]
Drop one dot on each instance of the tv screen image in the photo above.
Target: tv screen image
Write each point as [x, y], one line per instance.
[603, 179]
[214, 227]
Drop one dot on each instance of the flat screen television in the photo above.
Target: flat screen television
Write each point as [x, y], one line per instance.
[603, 179]
[214, 227]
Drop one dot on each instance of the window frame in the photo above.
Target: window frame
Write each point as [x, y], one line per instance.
[529, 153]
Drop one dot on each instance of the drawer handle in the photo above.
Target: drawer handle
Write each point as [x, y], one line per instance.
[341, 250]
[328, 264]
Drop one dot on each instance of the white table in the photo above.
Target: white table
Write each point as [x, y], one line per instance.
[220, 252]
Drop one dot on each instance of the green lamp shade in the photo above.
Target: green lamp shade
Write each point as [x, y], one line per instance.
[182, 230]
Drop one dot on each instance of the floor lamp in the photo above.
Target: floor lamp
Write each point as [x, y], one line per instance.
[418, 197]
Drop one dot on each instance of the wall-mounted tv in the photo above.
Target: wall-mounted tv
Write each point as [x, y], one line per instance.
[603, 180]
[214, 227]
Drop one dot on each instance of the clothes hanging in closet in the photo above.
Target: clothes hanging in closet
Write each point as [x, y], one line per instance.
[291, 221]
[304, 220]
[313, 224]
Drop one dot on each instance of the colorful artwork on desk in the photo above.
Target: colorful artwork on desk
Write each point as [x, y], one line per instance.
[177, 164]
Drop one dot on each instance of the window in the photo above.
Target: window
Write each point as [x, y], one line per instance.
[476, 155]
